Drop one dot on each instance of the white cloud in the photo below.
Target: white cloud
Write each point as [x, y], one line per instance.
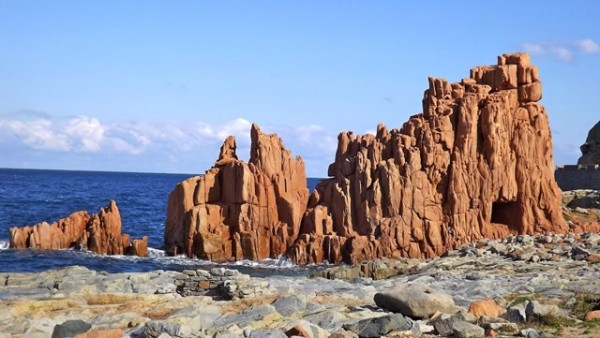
[37, 134]
[240, 128]
[588, 46]
[306, 134]
[312, 141]
[86, 132]
[205, 130]
[534, 48]
[564, 51]
[561, 52]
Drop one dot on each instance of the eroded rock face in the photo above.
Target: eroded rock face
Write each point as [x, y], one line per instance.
[590, 150]
[476, 163]
[239, 210]
[62, 234]
[99, 233]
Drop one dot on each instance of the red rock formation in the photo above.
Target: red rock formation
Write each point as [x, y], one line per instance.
[61, 234]
[104, 232]
[100, 233]
[239, 210]
[476, 163]
[139, 247]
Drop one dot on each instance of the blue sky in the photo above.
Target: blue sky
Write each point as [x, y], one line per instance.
[157, 85]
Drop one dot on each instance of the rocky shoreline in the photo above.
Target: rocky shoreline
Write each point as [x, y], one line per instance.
[532, 286]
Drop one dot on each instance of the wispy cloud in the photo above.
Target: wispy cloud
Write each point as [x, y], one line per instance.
[565, 51]
[588, 46]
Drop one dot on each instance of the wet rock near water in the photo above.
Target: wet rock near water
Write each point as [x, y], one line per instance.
[99, 233]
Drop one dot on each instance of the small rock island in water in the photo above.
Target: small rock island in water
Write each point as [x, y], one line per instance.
[99, 233]
[453, 226]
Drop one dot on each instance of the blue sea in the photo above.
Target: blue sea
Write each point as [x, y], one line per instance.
[29, 196]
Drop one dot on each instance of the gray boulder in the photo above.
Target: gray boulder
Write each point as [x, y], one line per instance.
[380, 326]
[70, 328]
[530, 333]
[288, 305]
[467, 330]
[516, 314]
[447, 324]
[329, 320]
[536, 311]
[416, 301]
[590, 200]
[444, 323]
[156, 328]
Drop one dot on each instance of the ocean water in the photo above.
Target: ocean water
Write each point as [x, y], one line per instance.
[28, 197]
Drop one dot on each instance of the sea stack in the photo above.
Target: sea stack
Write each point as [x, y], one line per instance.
[99, 233]
[476, 163]
[239, 210]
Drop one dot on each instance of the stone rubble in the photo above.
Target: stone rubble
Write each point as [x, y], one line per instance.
[220, 282]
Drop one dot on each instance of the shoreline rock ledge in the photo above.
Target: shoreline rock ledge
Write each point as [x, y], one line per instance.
[99, 233]
[476, 163]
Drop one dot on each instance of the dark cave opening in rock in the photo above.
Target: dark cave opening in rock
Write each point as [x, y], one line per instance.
[507, 213]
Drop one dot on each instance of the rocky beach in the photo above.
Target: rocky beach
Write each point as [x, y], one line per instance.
[526, 286]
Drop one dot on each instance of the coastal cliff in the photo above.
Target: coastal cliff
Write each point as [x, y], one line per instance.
[477, 163]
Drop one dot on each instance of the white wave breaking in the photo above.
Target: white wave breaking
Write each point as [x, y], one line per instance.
[4, 244]
[160, 257]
